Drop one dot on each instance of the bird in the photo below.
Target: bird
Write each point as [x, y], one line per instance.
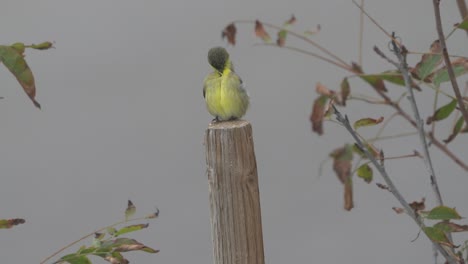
[224, 92]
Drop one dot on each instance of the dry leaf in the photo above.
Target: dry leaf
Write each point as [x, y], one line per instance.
[229, 32]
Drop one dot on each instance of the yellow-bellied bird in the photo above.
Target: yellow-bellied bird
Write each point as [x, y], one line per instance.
[225, 95]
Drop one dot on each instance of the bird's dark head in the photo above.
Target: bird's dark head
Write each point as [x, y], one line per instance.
[218, 57]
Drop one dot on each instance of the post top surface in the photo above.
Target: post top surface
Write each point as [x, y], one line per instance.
[228, 124]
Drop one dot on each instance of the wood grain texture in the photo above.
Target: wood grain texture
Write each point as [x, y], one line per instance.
[234, 196]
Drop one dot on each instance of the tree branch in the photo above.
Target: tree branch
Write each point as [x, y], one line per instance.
[391, 187]
[451, 74]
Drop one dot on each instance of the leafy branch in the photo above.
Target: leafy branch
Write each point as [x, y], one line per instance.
[108, 245]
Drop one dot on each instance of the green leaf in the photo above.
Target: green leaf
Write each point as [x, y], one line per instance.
[111, 231]
[394, 77]
[459, 67]
[436, 234]
[429, 61]
[365, 172]
[443, 213]
[19, 47]
[443, 112]
[367, 122]
[130, 228]
[375, 82]
[456, 129]
[16, 64]
[463, 24]
[428, 65]
[75, 259]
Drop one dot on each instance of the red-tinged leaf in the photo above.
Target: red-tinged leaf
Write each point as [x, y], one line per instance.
[229, 32]
[323, 90]
[459, 66]
[418, 206]
[130, 210]
[261, 32]
[463, 24]
[373, 80]
[115, 258]
[443, 213]
[318, 113]
[450, 227]
[16, 64]
[9, 223]
[140, 247]
[367, 122]
[428, 61]
[456, 129]
[43, 46]
[443, 112]
[281, 40]
[398, 210]
[283, 33]
[365, 172]
[130, 228]
[291, 21]
[394, 77]
[345, 91]
[437, 235]
[342, 159]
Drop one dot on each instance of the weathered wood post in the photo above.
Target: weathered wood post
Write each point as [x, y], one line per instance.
[236, 224]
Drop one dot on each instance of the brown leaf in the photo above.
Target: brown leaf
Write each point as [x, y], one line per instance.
[261, 32]
[348, 195]
[345, 91]
[318, 113]
[398, 210]
[456, 228]
[229, 32]
[418, 206]
[342, 159]
[323, 90]
[382, 186]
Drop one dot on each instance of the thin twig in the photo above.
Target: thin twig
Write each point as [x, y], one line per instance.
[402, 66]
[302, 37]
[448, 64]
[391, 187]
[345, 67]
[361, 33]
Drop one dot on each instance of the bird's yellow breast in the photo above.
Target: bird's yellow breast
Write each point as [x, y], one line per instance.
[224, 95]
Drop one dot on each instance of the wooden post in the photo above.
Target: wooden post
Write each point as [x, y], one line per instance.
[236, 223]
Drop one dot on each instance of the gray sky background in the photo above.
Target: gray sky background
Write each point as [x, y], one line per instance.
[123, 118]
